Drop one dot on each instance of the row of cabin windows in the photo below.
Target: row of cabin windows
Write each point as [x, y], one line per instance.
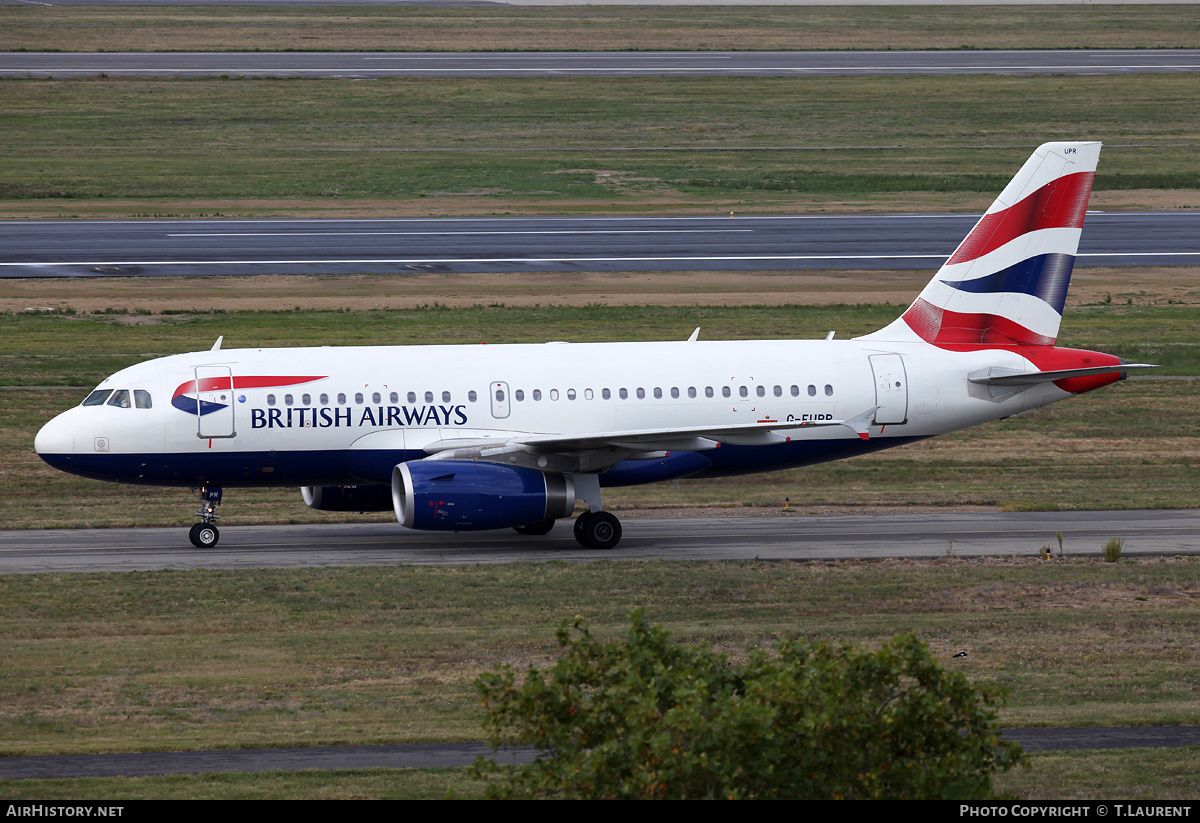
[120, 398]
[360, 398]
[536, 394]
[674, 391]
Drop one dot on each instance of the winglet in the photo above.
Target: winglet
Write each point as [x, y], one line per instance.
[860, 423]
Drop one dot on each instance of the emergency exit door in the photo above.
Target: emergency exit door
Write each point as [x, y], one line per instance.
[891, 388]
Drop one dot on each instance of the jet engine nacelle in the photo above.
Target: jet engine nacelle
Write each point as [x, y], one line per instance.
[370, 498]
[459, 495]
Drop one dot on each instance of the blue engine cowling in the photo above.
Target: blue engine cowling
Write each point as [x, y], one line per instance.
[459, 495]
[370, 498]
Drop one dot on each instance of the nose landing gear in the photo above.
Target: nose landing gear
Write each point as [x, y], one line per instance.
[204, 535]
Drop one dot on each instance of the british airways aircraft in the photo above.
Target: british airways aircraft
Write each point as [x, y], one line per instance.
[510, 436]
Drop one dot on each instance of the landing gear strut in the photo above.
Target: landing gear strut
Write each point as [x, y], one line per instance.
[597, 530]
[204, 535]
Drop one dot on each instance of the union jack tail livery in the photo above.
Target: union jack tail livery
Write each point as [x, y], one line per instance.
[1006, 283]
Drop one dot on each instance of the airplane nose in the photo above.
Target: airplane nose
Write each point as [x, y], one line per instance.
[56, 437]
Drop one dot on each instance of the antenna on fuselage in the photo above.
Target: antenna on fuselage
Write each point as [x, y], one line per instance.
[217, 345]
[695, 335]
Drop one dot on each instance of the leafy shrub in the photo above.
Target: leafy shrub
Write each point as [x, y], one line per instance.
[649, 718]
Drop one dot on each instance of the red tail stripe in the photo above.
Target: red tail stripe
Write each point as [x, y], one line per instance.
[1059, 204]
[941, 326]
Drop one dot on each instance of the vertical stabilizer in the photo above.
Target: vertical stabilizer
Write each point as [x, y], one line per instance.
[1007, 281]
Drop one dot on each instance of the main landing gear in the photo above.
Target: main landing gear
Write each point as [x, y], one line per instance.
[204, 535]
[597, 530]
[593, 530]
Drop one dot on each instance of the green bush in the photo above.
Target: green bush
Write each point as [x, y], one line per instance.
[1113, 549]
[650, 718]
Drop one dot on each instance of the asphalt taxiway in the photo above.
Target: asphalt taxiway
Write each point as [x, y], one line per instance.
[83, 248]
[778, 537]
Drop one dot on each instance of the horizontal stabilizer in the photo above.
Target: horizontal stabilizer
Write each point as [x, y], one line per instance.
[1008, 377]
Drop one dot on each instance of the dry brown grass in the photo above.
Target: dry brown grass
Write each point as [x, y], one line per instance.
[573, 28]
[1146, 285]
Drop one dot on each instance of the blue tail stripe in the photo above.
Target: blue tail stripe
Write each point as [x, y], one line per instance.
[1045, 276]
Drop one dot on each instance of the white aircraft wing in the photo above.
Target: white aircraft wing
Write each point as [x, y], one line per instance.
[687, 438]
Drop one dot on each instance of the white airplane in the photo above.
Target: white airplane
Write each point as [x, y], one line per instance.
[459, 438]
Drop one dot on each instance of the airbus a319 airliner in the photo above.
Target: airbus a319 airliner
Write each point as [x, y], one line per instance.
[459, 438]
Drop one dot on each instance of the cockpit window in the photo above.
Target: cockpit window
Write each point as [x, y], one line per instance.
[120, 399]
[141, 399]
[97, 397]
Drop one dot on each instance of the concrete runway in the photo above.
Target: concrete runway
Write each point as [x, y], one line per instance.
[782, 537]
[786, 243]
[352, 65]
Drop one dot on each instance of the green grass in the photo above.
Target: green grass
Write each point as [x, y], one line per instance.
[182, 660]
[55, 349]
[591, 28]
[508, 142]
[1128, 446]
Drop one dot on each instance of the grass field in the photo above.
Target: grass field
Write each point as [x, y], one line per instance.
[400, 147]
[210, 659]
[1130, 446]
[591, 28]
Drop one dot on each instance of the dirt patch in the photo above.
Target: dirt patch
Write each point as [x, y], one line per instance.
[150, 297]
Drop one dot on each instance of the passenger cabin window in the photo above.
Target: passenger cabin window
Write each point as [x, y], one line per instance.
[97, 397]
[392, 398]
[287, 400]
[471, 395]
[412, 397]
[762, 391]
[446, 397]
[519, 394]
[341, 399]
[537, 394]
[358, 398]
[306, 399]
[828, 390]
[120, 399]
[428, 397]
[375, 398]
[812, 391]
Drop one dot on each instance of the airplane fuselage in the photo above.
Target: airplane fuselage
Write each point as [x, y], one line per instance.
[327, 416]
